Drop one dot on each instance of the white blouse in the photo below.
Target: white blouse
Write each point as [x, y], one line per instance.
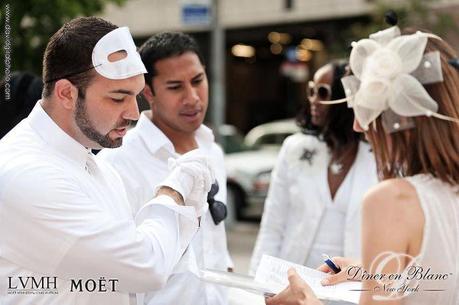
[440, 243]
[296, 206]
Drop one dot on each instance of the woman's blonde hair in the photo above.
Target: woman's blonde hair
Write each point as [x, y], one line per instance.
[432, 147]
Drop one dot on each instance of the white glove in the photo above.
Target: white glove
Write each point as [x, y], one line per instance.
[191, 175]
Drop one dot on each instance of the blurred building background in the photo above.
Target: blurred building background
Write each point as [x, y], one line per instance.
[272, 47]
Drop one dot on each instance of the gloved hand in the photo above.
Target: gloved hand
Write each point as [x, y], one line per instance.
[191, 175]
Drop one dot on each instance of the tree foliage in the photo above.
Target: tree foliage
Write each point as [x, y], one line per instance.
[33, 22]
[419, 14]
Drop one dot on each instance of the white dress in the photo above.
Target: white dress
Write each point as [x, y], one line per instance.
[440, 245]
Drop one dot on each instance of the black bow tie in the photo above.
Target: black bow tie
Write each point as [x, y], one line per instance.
[217, 208]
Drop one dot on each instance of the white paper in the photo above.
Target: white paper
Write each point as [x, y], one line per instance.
[272, 272]
[240, 281]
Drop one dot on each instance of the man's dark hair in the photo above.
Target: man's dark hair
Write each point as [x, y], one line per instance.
[165, 45]
[337, 130]
[69, 53]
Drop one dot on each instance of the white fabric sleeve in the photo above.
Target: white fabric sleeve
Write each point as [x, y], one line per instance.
[54, 228]
[275, 211]
[121, 167]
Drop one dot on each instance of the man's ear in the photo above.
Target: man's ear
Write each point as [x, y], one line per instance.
[66, 93]
[148, 94]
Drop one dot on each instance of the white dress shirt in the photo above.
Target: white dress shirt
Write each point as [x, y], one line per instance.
[142, 163]
[65, 214]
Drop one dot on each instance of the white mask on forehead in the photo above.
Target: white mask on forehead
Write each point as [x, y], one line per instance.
[119, 39]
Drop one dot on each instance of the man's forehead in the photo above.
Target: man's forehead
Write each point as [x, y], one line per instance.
[187, 62]
[131, 85]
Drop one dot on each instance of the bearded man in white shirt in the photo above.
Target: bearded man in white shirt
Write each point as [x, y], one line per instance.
[67, 234]
[177, 92]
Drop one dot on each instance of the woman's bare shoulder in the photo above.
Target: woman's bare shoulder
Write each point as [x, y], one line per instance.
[394, 205]
[397, 194]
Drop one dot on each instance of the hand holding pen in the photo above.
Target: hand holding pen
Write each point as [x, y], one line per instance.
[337, 268]
[329, 262]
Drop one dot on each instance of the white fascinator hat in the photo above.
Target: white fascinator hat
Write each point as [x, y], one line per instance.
[389, 71]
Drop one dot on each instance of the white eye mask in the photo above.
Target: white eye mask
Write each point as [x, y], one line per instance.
[117, 40]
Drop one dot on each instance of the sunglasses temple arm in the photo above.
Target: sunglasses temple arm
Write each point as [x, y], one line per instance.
[342, 100]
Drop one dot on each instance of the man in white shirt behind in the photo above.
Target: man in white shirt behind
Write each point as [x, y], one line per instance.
[177, 92]
[67, 233]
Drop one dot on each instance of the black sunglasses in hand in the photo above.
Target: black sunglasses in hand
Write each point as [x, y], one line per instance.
[217, 208]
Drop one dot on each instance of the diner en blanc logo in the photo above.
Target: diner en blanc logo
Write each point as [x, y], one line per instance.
[397, 285]
[49, 284]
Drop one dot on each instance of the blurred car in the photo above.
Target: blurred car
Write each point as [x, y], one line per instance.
[231, 139]
[249, 172]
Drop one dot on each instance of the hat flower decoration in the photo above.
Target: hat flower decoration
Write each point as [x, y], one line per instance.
[389, 72]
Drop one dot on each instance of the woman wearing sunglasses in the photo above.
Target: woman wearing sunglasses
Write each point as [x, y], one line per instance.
[313, 204]
[405, 96]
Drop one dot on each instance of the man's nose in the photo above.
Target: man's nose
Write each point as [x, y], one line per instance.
[191, 95]
[132, 112]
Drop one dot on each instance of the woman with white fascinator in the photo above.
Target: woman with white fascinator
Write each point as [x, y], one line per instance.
[405, 97]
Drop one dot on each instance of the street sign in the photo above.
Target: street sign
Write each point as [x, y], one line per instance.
[196, 12]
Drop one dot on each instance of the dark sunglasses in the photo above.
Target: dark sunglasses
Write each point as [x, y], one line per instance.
[322, 91]
[217, 209]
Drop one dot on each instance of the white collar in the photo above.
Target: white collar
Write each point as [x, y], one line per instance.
[55, 137]
[155, 139]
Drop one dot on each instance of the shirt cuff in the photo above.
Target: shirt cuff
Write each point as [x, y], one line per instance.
[188, 212]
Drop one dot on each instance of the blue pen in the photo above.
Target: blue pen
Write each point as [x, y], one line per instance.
[331, 264]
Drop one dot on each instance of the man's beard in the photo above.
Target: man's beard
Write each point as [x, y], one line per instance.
[86, 127]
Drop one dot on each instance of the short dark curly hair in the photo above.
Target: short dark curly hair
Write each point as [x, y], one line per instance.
[69, 52]
[164, 45]
[337, 130]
